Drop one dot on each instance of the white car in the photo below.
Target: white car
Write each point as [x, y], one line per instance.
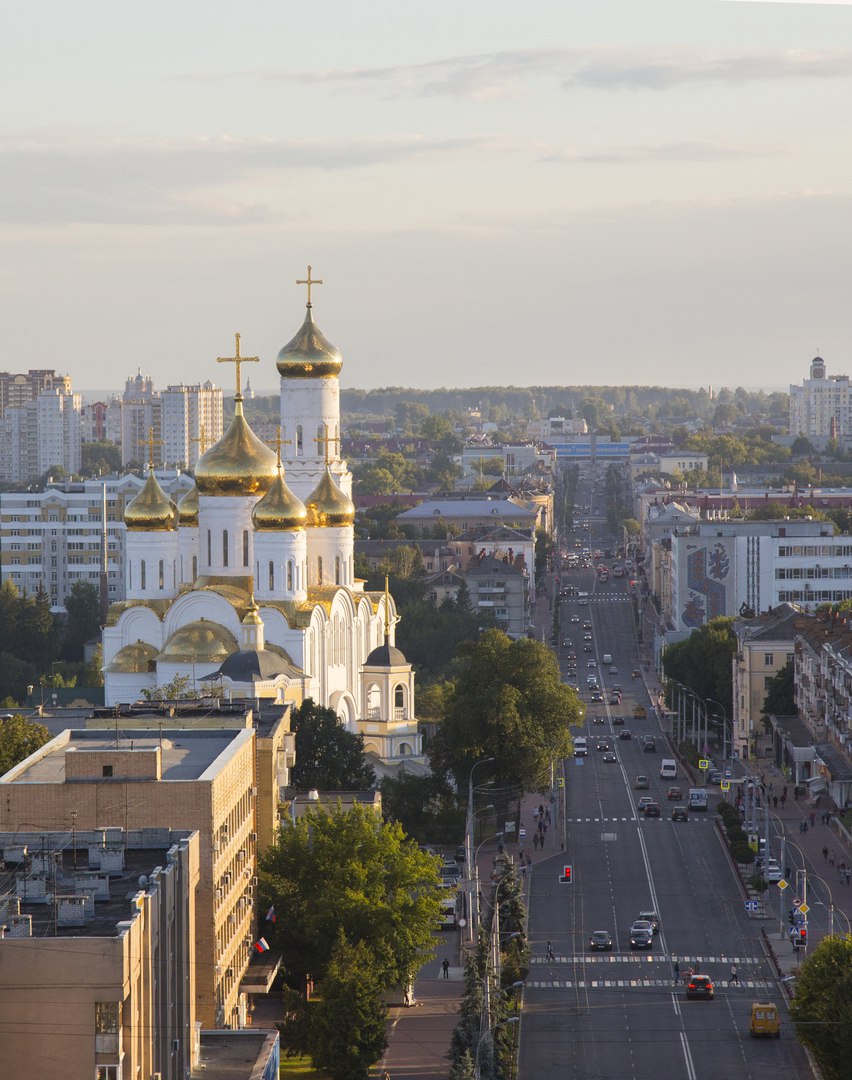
[772, 872]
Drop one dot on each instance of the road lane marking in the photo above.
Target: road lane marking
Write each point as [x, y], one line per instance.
[687, 1056]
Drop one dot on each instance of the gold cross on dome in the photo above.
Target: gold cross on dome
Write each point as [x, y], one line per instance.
[203, 440]
[310, 281]
[278, 442]
[151, 442]
[325, 440]
[236, 360]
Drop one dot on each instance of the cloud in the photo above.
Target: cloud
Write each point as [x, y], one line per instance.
[700, 150]
[487, 76]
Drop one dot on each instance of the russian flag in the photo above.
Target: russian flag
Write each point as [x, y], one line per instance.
[271, 916]
[262, 945]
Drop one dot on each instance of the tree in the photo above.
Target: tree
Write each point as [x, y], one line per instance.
[100, 457]
[170, 691]
[779, 700]
[18, 739]
[349, 1022]
[509, 703]
[328, 757]
[425, 807]
[703, 661]
[822, 1007]
[345, 870]
[84, 619]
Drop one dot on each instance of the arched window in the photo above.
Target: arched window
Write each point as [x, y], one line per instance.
[336, 569]
[245, 548]
[399, 698]
[289, 575]
[209, 549]
[224, 547]
[162, 574]
[142, 574]
[271, 575]
[298, 440]
[319, 569]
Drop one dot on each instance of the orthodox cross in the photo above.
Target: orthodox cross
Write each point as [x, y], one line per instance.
[278, 442]
[310, 281]
[202, 439]
[151, 442]
[236, 360]
[325, 440]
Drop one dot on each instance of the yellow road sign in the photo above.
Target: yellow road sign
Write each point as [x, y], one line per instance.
[782, 884]
[804, 909]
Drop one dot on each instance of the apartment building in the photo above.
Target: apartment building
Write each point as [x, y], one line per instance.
[52, 538]
[202, 780]
[18, 389]
[97, 964]
[175, 417]
[501, 589]
[41, 433]
[821, 408]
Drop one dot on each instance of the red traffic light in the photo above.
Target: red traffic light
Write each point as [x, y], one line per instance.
[566, 875]
[803, 933]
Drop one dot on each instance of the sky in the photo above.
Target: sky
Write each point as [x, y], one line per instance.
[493, 193]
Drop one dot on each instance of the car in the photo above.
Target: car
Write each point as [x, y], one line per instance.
[609, 758]
[639, 712]
[450, 875]
[652, 809]
[592, 680]
[598, 718]
[641, 924]
[575, 618]
[597, 697]
[715, 777]
[583, 601]
[615, 699]
[653, 918]
[600, 940]
[636, 673]
[649, 746]
[772, 872]
[603, 746]
[566, 643]
[617, 718]
[587, 637]
[625, 734]
[700, 986]
[587, 626]
[588, 647]
[679, 813]
[644, 801]
[461, 853]
[616, 688]
[674, 793]
[641, 935]
[571, 655]
[591, 663]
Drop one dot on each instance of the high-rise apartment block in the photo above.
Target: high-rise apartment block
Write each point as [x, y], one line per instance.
[180, 418]
[39, 425]
[821, 408]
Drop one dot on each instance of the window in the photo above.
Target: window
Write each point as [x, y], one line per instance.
[290, 575]
[319, 570]
[107, 770]
[790, 657]
[245, 548]
[195, 567]
[162, 574]
[336, 569]
[209, 549]
[106, 1012]
[768, 659]
[271, 575]
[142, 574]
[298, 440]
[224, 547]
[107, 1072]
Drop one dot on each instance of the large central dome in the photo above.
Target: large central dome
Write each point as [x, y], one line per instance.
[239, 463]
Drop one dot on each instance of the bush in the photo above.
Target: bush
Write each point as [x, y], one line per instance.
[742, 853]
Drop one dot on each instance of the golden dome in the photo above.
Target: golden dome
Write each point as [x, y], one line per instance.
[309, 355]
[188, 507]
[201, 642]
[133, 659]
[151, 509]
[279, 508]
[327, 506]
[239, 463]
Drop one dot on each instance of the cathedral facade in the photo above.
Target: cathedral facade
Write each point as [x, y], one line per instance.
[246, 588]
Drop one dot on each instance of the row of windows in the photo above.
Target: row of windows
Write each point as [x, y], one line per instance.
[813, 596]
[798, 573]
[787, 551]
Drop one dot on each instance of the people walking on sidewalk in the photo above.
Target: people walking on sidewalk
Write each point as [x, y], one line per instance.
[824, 854]
[445, 967]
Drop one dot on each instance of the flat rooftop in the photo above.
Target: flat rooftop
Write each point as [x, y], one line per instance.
[185, 754]
[233, 1055]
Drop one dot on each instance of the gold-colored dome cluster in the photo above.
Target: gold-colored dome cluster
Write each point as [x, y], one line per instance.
[151, 510]
[239, 463]
[188, 508]
[279, 508]
[309, 355]
[327, 506]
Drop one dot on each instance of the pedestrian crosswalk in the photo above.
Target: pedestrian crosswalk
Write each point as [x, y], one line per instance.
[648, 958]
[603, 820]
[639, 984]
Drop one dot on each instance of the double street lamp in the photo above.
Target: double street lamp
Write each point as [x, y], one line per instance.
[468, 849]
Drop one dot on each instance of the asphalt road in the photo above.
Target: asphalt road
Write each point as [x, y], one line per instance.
[619, 1015]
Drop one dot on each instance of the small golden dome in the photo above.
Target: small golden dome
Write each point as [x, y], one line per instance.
[239, 463]
[200, 642]
[133, 659]
[151, 510]
[252, 616]
[309, 355]
[327, 506]
[279, 508]
[188, 508]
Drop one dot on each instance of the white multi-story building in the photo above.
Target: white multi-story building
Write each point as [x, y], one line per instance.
[52, 538]
[40, 434]
[175, 417]
[821, 408]
[725, 567]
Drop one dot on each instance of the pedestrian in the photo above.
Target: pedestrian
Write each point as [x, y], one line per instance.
[804, 826]
[775, 801]
[783, 799]
[541, 810]
[544, 832]
[813, 818]
[831, 857]
[733, 977]
[549, 955]
[529, 860]
[824, 854]
[848, 875]
[535, 841]
[784, 791]
[676, 972]
[445, 967]
[523, 871]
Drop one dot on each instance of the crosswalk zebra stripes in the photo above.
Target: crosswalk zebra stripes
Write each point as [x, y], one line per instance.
[648, 958]
[640, 984]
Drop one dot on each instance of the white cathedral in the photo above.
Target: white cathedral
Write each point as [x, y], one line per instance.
[248, 584]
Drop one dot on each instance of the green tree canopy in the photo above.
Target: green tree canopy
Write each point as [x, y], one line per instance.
[822, 1006]
[328, 757]
[779, 698]
[84, 619]
[19, 738]
[100, 457]
[509, 703]
[703, 661]
[347, 871]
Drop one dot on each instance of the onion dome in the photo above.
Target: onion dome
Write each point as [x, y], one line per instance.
[133, 659]
[151, 510]
[199, 642]
[386, 655]
[279, 508]
[188, 508]
[309, 355]
[239, 463]
[327, 506]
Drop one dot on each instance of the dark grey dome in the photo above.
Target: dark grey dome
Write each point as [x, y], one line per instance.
[253, 665]
[385, 656]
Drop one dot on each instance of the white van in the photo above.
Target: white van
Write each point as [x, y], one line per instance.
[697, 798]
[448, 913]
[580, 747]
[668, 769]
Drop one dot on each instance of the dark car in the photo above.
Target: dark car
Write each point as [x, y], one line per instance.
[600, 939]
[461, 853]
[679, 813]
[700, 986]
[674, 793]
[597, 697]
[641, 935]
[615, 699]
[636, 673]
[597, 719]
[649, 745]
[617, 719]
[603, 746]
[609, 758]
[652, 810]
[625, 733]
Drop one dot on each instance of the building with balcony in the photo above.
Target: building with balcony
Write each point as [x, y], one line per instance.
[501, 589]
[821, 408]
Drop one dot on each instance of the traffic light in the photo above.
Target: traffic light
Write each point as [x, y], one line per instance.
[791, 915]
[567, 875]
[803, 935]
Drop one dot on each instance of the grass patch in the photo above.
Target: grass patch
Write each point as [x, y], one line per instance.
[300, 1068]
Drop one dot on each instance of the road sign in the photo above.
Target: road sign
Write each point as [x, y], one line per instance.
[522, 833]
[796, 902]
[752, 905]
[804, 908]
[704, 764]
[725, 785]
[560, 782]
[567, 875]
[782, 884]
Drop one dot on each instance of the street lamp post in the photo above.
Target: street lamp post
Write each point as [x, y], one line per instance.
[468, 843]
[489, 1033]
